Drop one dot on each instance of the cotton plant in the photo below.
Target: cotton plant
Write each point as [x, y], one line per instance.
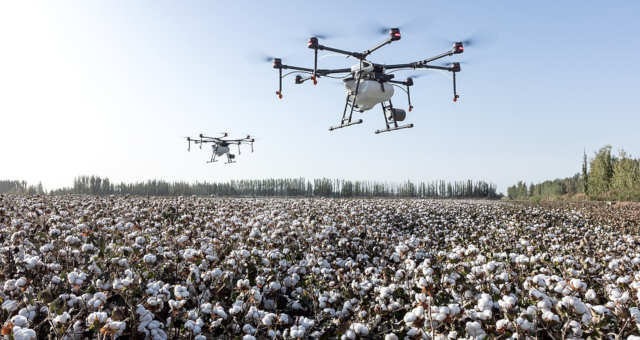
[289, 269]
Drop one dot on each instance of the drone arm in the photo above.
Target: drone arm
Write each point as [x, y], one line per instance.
[325, 72]
[434, 67]
[457, 49]
[335, 50]
[367, 52]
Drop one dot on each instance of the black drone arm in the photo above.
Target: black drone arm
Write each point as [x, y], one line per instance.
[277, 64]
[457, 49]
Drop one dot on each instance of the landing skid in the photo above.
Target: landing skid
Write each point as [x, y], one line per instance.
[390, 121]
[408, 126]
[345, 124]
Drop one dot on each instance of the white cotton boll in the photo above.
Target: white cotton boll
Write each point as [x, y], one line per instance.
[180, 292]
[502, 324]
[524, 323]
[549, 316]
[274, 286]
[21, 282]
[485, 302]
[474, 329]
[206, 308]
[9, 285]
[19, 321]
[10, 305]
[20, 333]
[99, 317]
[248, 329]
[390, 336]
[348, 335]
[219, 311]
[72, 240]
[28, 312]
[176, 305]
[61, 319]
[149, 258]
[590, 295]
[360, 329]
[586, 318]
[616, 296]
[88, 247]
[269, 319]
[600, 309]
[485, 315]
[115, 327]
[32, 261]
[284, 318]
[248, 337]
[577, 284]
[507, 302]
[635, 313]
[441, 317]
[236, 308]
[413, 332]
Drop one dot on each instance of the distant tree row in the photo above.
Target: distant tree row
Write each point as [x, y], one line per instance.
[293, 187]
[8, 186]
[605, 177]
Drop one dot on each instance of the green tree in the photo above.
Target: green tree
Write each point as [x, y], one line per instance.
[626, 177]
[599, 180]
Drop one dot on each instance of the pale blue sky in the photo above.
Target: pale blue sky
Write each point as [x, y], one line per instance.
[111, 87]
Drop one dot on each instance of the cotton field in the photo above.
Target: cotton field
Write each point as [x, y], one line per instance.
[78, 267]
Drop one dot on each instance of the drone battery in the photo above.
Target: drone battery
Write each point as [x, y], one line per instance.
[397, 114]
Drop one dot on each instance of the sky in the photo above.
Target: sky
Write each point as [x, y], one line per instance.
[111, 88]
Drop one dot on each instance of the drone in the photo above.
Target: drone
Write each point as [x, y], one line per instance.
[369, 84]
[220, 145]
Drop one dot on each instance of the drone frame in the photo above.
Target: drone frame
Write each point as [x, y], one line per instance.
[378, 75]
[216, 142]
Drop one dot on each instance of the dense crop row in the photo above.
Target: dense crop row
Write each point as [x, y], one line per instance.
[102, 267]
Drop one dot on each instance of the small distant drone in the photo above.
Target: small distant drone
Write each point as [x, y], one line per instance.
[220, 145]
[368, 83]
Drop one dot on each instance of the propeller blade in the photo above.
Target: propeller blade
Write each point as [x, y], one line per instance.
[323, 36]
[447, 64]
[417, 75]
[407, 25]
[473, 40]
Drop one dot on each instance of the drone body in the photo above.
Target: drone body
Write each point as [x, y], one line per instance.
[369, 84]
[220, 146]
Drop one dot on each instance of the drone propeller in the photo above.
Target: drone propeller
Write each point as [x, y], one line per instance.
[323, 36]
[416, 75]
[267, 58]
[449, 64]
[472, 40]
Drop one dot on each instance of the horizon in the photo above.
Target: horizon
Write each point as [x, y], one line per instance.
[111, 89]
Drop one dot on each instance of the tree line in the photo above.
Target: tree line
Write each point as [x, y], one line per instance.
[604, 177]
[285, 187]
[13, 186]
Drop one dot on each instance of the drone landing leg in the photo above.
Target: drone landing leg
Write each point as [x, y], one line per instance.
[389, 109]
[213, 158]
[349, 104]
